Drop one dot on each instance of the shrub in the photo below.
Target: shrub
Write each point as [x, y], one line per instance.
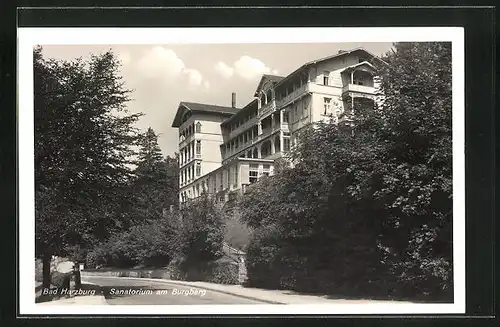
[202, 232]
[222, 272]
[262, 259]
[60, 280]
[97, 257]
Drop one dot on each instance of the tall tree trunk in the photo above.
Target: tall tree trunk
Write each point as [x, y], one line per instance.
[46, 269]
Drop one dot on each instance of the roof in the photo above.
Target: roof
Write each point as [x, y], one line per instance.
[364, 63]
[273, 78]
[339, 54]
[242, 110]
[201, 107]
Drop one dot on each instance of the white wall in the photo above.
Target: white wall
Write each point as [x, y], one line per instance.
[334, 66]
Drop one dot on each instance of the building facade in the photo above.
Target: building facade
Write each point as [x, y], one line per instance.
[225, 149]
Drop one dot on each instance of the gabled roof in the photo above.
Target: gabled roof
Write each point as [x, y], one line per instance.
[201, 107]
[266, 77]
[338, 55]
[364, 63]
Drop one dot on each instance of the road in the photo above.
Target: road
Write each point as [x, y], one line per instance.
[122, 291]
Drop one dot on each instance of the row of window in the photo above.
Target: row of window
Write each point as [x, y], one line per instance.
[204, 185]
[188, 174]
[242, 120]
[190, 130]
[190, 151]
[290, 89]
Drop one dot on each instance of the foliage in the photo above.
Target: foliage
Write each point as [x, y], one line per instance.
[151, 244]
[156, 185]
[83, 146]
[202, 231]
[60, 280]
[415, 187]
[223, 273]
[367, 206]
[237, 233]
[261, 258]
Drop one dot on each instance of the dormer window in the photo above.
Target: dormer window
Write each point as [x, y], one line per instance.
[198, 127]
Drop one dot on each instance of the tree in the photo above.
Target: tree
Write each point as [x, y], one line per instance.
[83, 139]
[152, 244]
[367, 205]
[202, 231]
[414, 183]
[157, 184]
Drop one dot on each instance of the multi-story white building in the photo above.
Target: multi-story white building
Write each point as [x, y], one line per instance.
[224, 149]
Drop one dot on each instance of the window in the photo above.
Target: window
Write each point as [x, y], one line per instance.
[266, 167]
[253, 176]
[235, 176]
[285, 116]
[254, 166]
[198, 127]
[326, 76]
[198, 148]
[198, 169]
[327, 103]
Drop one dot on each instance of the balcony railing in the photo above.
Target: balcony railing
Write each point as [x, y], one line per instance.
[297, 93]
[369, 91]
[267, 109]
[187, 140]
[243, 127]
[265, 133]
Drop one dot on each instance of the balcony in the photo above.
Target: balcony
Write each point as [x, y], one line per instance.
[295, 95]
[359, 90]
[268, 131]
[267, 109]
[186, 141]
[243, 127]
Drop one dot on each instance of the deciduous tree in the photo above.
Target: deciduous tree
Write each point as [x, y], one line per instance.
[83, 139]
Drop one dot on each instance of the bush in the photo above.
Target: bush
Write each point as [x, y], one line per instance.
[262, 259]
[223, 273]
[202, 231]
[60, 280]
[97, 257]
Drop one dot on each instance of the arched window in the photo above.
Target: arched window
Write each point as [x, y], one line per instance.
[198, 127]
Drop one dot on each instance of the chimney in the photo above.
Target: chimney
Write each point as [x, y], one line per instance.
[233, 100]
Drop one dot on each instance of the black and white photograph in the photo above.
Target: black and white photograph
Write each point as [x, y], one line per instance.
[241, 171]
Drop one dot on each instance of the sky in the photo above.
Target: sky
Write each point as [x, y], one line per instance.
[162, 75]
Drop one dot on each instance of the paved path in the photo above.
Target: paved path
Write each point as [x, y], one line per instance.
[120, 291]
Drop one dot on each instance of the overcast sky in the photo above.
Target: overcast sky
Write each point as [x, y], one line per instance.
[161, 76]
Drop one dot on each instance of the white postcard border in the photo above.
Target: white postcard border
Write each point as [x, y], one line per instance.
[29, 37]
